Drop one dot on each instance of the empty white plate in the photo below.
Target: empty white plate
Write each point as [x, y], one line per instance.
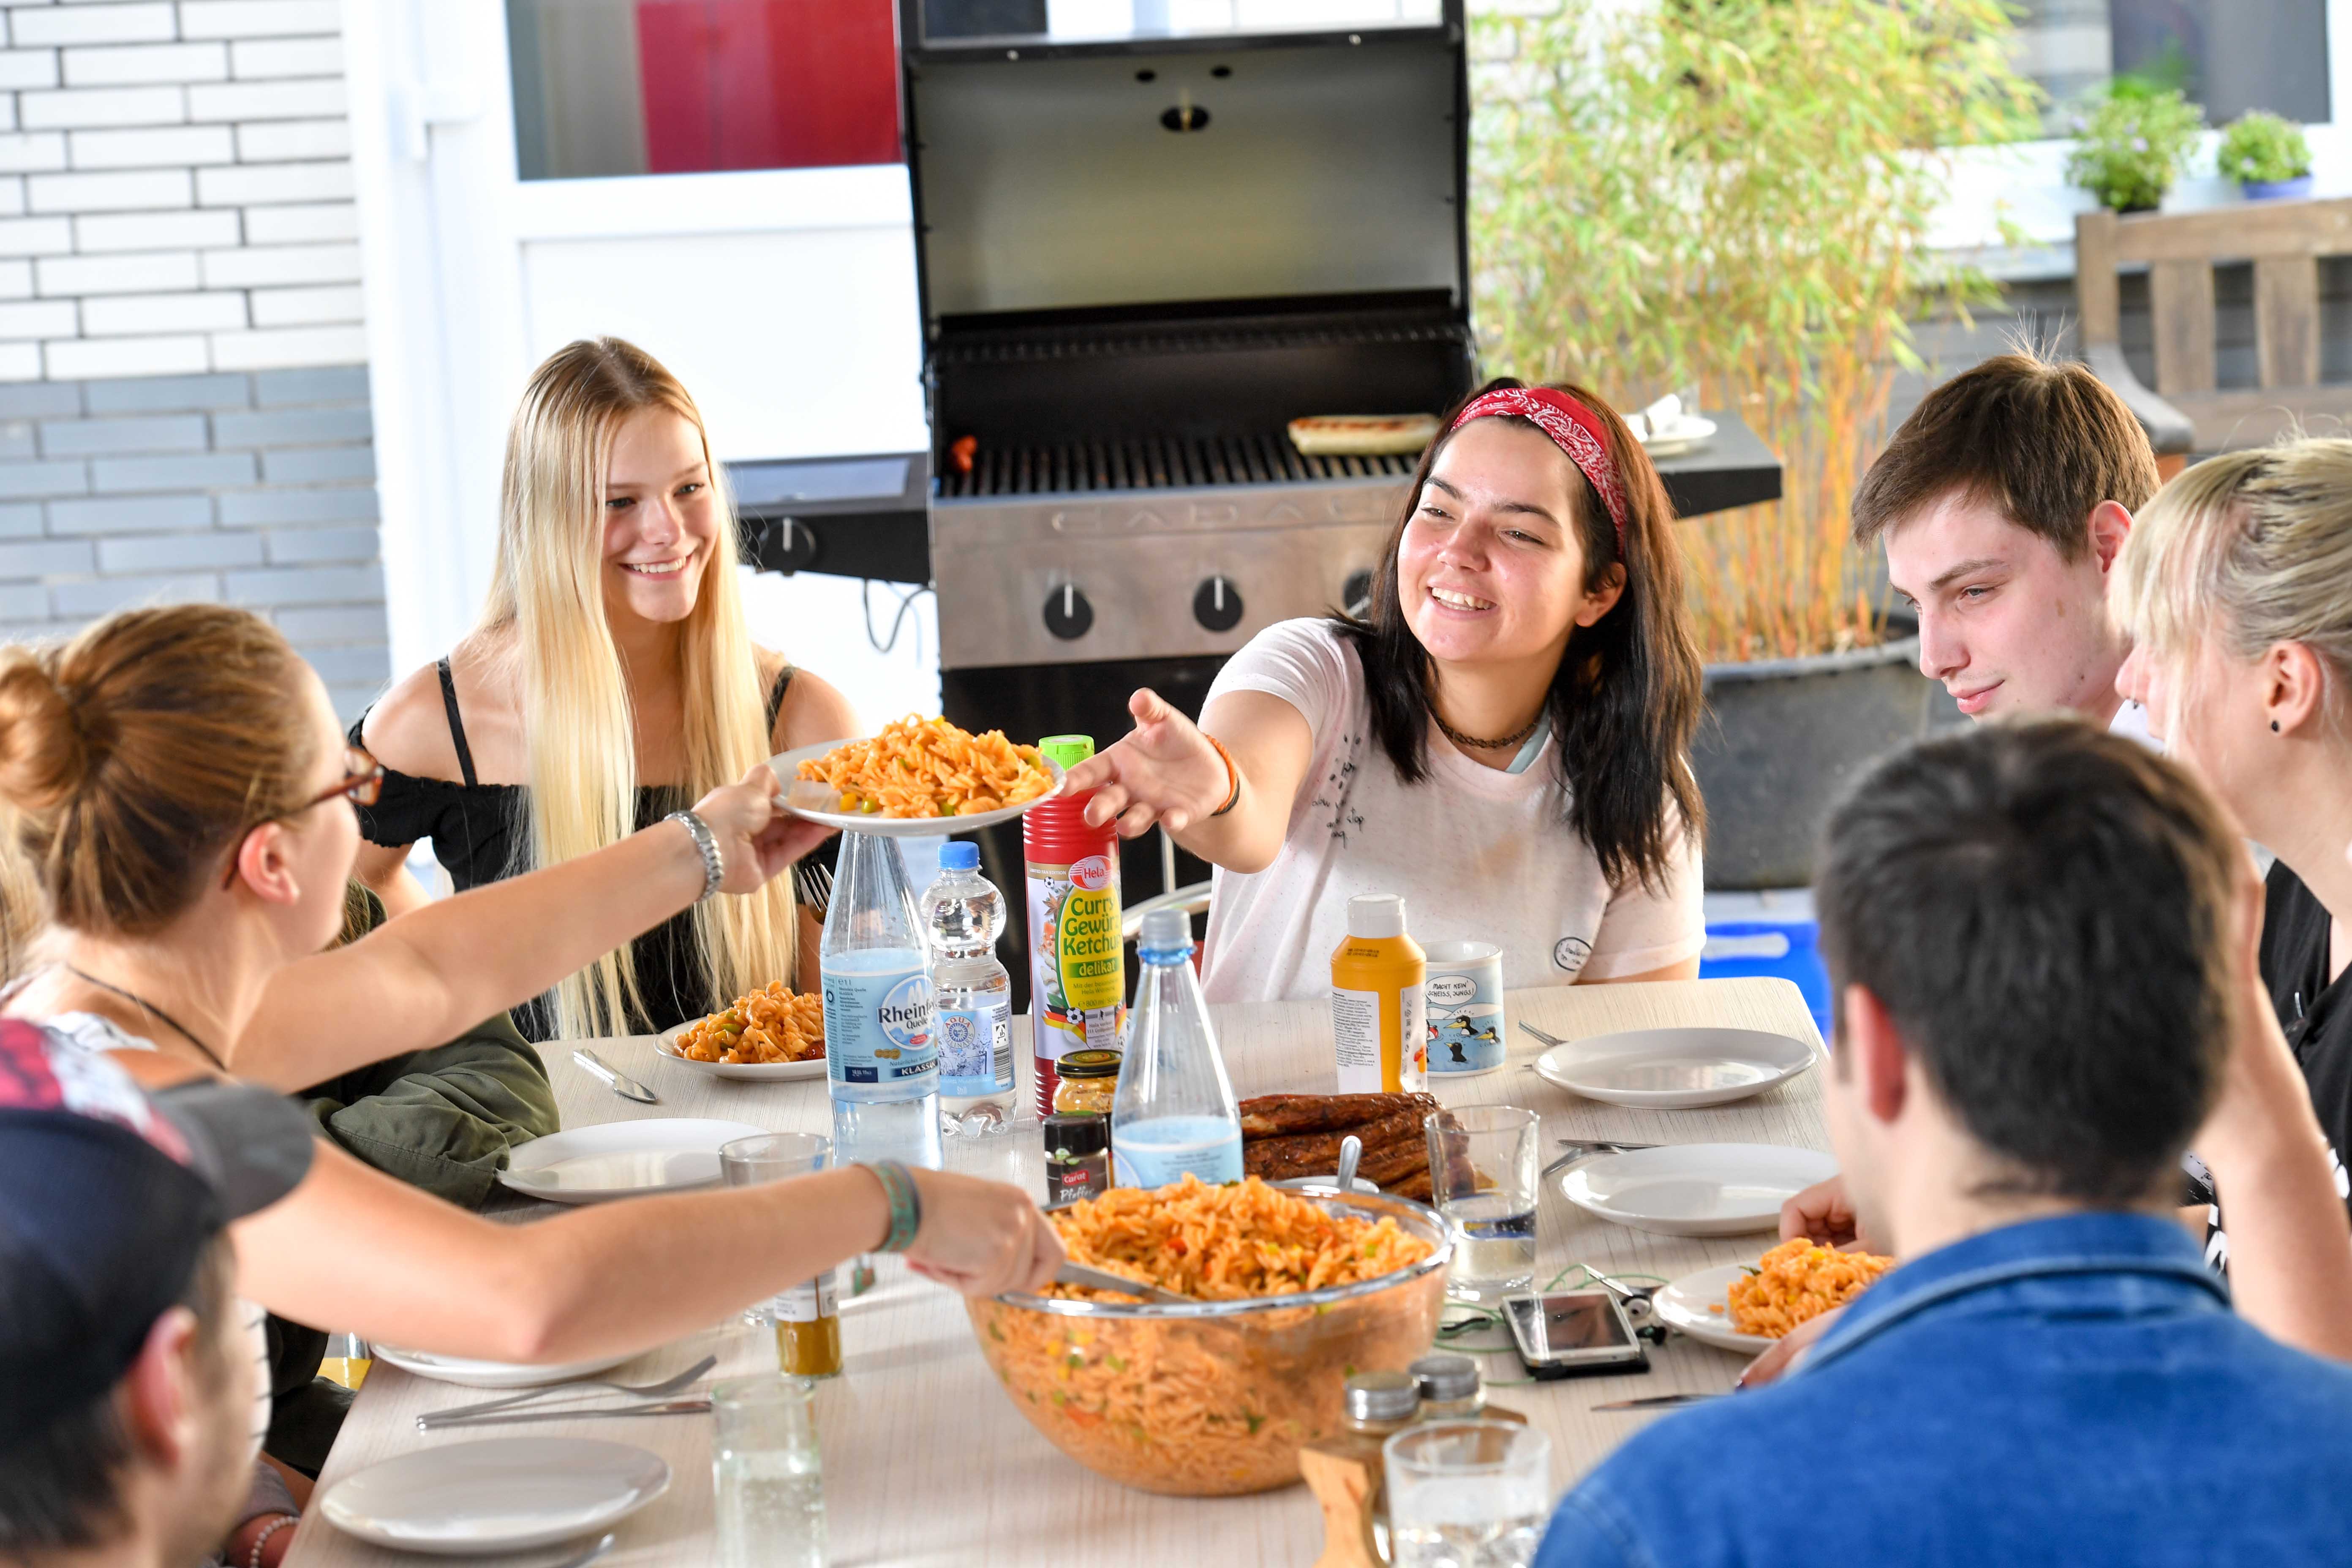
[820, 801]
[1674, 1069]
[622, 1159]
[1700, 1305]
[490, 1374]
[500, 1495]
[666, 1049]
[1696, 1189]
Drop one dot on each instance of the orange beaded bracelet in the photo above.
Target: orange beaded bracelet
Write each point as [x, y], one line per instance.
[1232, 776]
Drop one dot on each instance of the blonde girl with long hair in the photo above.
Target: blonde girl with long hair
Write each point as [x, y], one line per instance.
[611, 680]
[2235, 588]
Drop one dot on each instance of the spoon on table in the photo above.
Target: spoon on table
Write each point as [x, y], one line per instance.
[1101, 1279]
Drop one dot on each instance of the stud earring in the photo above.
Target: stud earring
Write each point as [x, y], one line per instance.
[2273, 726]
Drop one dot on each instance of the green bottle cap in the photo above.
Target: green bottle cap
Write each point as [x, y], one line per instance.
[1066, 751]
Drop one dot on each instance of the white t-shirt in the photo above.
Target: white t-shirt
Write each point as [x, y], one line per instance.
[1479, 853]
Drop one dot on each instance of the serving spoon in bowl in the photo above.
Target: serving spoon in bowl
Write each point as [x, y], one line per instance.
[1078, 1274]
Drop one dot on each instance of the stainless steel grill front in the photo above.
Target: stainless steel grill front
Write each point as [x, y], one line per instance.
[1159, 463]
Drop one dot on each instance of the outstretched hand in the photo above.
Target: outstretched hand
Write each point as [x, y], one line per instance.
[757, 837]
[1165, 770]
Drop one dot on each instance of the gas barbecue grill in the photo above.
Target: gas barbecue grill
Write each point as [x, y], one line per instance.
[1139, 258]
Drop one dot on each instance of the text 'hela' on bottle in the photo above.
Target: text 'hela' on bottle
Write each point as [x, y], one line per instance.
[881, 1029]
[1174, 1111]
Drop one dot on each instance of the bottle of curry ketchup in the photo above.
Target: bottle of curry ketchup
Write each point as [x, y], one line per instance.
[1077, 974]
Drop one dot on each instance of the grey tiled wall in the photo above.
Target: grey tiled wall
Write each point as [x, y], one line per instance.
[254, 489]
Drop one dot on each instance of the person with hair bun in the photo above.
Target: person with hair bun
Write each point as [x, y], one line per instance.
[611, 680]
[1505, 736]
[179, 787]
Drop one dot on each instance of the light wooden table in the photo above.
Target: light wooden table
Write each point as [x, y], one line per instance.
[926, 1461]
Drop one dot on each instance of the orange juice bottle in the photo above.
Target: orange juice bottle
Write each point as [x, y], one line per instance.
[1376, 975]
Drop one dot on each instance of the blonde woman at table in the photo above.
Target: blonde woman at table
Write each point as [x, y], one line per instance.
[179, 781]
[611, 680]
[1504, 739]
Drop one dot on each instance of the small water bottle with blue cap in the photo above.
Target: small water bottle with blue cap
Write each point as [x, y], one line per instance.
[962, 913]
[1174, 1110]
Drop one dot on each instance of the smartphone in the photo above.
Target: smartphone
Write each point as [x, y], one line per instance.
[1576, 1333]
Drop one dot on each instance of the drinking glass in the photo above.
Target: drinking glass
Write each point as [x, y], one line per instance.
[1482, 1172]
[1467, 1494]
[770, 1157]
[766, 1473]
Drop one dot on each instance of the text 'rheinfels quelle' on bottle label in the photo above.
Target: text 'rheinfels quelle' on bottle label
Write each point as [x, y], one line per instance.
[880, 1028]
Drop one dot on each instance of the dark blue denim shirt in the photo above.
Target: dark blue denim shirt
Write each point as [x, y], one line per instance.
[2066, 1392]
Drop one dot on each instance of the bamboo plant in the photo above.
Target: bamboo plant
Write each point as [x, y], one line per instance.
[1736, 195]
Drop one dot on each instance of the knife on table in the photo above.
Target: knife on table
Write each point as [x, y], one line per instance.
[1658, 1401]
[699, 1405]
[619, 1082]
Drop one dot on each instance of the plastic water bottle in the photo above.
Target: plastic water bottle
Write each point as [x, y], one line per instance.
[881, 1035]
[1174, 1110]
[963, 913]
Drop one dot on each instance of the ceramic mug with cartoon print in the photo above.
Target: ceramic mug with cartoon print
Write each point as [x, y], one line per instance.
[1464, 1012]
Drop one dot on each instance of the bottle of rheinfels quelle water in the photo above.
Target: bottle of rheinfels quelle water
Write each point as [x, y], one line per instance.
[1174, 1110]
[962, 913]
[881, 1035]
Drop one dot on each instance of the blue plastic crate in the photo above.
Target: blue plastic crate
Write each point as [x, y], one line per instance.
[1786, 950]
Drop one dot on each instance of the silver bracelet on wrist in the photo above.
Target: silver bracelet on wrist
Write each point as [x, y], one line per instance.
[714, 869]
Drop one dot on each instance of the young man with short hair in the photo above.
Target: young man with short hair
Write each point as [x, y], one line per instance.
[2003, 501]
[132, 1395]
[2039, 940]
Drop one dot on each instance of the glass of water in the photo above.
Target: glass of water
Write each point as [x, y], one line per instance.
[1482, 1170]
[766, 1473]
[1467, 1494]
[772, 1157]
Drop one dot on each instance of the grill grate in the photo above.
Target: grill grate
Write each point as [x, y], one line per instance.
[1031, 348]
[1157, 463]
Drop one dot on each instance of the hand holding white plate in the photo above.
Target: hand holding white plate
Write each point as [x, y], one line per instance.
[1700, 1305]
[504, 1494]
[1696, 1189]
[1674, 1069]
[622, 1159]
[820, 801]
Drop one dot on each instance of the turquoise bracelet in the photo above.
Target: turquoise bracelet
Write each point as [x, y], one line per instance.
[905, 1204]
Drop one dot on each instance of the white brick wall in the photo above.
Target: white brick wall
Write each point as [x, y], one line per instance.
[176, 189]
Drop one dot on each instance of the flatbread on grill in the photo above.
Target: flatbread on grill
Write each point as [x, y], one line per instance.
[1362, 435]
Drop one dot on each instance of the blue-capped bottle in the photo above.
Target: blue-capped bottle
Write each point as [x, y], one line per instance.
[962, 913]
[881, 1032]
[1174, 1110]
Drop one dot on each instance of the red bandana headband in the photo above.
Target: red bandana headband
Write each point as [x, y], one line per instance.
[1573, 428]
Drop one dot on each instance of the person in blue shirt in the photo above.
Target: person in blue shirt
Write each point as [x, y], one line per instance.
[2040, 937]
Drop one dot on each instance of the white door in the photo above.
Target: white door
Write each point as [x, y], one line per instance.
[784, 298]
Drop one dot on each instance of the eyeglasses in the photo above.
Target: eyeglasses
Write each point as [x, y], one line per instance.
[362, 785]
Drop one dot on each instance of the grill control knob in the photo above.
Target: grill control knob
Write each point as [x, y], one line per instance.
[1217, 605]
[1068, 616]
[1356, 594]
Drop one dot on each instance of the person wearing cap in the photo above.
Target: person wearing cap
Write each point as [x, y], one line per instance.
[132, 1402]
[1504, 736]
[178, 777]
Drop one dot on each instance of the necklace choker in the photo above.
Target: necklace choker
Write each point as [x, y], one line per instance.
[1459, 738]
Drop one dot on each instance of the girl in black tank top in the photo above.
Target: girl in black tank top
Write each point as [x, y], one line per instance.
[475, 828]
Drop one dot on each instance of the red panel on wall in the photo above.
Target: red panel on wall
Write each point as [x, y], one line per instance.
[766, 84]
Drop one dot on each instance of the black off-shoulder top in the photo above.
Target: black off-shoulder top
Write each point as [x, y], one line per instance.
[474, 828]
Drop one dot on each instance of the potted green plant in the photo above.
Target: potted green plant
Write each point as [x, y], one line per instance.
[2133, 142]
[2267, 156]
[1734, 195]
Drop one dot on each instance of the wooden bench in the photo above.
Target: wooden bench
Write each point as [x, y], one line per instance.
[2186, 412]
